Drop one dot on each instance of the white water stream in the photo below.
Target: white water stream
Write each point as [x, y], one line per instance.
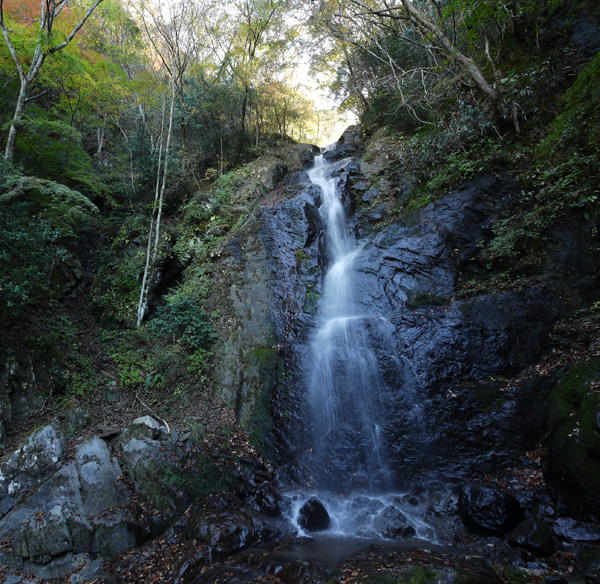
[344, 382]
[349, 470]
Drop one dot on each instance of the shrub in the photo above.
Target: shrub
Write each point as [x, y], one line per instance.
[186, 321]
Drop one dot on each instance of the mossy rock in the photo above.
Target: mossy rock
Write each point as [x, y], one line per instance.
[574, 421]
[420, 575]
[62, 206]
[514, 575]
[420, 300]
[259, 420]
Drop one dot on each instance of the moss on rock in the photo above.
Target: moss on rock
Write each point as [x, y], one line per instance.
[574, 421]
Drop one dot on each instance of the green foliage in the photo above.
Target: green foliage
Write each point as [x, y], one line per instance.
[567, 181]
[578, 127]
[29, 254]
[80, 375]
[38, 221]
[185, 321]
[116, 287]
[447, 165]
[53, 149]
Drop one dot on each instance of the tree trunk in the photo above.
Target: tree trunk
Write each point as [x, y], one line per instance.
[154, 231]
[9, 153]
[488, 91]
[243, 121]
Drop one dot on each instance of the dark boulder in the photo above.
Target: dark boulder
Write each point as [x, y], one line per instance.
[226, 531]
[487, 510]
[532, 535]
[313, 516]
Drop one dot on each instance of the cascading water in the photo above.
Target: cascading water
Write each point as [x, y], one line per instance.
[354, 371]
[345, 380]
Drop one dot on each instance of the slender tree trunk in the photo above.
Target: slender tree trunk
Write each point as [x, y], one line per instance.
[243, 122]
[145, 288]
[154, 231]
[100, 137]
[164, 177]
[9, 152]
[221, 142]
[257, 119]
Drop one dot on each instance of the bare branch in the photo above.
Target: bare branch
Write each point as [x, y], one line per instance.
[77, 27]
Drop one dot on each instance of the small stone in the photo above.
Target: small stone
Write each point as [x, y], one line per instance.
[147, 426]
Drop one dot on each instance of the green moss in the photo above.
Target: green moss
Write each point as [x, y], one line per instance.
[426, 299]
[301, 256]
[259, 421]
[573, 419]
[172, 486]
[311, 301]
[573, 391]
[420, 575]
[514, 575]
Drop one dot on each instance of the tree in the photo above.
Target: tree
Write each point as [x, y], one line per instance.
[378, 35]
[429, 27]
[50, 10]
[256, 19]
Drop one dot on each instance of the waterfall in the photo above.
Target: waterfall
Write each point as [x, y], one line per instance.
[354, 374]
[344, 382]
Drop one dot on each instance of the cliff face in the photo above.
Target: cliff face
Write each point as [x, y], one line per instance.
[466, 354]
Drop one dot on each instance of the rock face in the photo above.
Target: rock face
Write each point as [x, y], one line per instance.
[53, 509]
[61, 511]
[18, 396]
[446, 410]
[574, 459]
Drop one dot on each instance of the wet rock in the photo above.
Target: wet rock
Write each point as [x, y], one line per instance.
[488, 510]
[444, 504]
[532, 535]
[32, 463]
[370, 195]
[393, 523]
[267, 501]
[313, 516]
[571, 530]
[349, 143]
